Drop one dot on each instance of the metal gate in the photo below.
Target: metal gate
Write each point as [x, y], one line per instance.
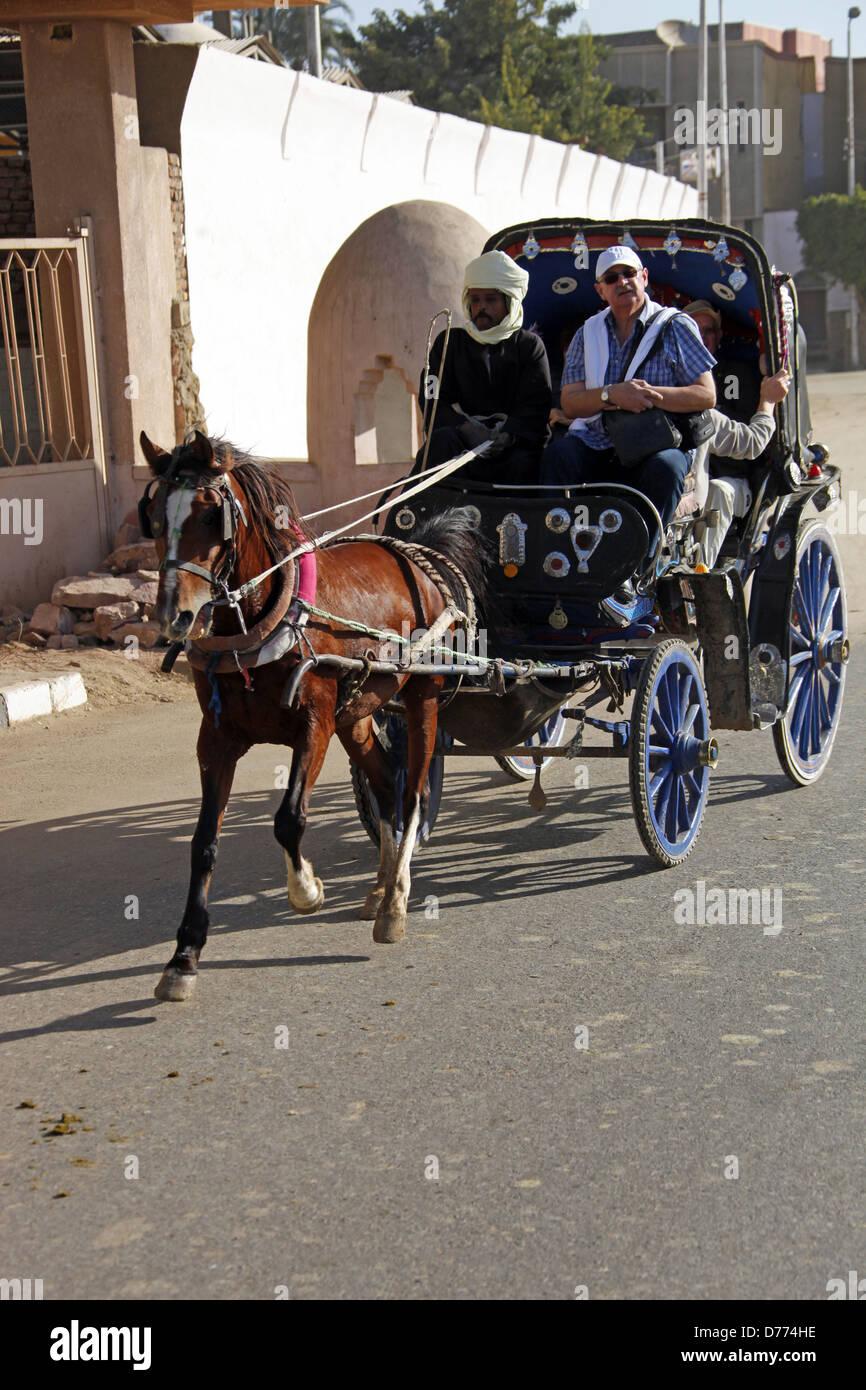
[54, 516]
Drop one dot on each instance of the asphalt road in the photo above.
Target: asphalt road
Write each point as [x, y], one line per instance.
[310, 1167]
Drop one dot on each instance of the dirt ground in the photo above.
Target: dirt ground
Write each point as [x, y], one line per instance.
[111, 678]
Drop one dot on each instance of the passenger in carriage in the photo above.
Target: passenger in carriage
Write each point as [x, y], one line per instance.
[494, 383]
[675, 374]
[718, 491]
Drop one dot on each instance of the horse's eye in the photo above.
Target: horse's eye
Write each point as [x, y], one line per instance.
[211, 515]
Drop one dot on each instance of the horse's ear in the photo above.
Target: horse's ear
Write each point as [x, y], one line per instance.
[201, 450]
[155, 456]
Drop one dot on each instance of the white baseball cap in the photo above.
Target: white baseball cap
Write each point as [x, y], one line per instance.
[617, 255]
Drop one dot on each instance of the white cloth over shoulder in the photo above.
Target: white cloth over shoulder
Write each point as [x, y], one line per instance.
[596, 350]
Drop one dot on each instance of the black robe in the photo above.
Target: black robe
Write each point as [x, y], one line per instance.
[510, 378]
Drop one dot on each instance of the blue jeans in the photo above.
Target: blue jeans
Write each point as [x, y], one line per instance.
[659, 477]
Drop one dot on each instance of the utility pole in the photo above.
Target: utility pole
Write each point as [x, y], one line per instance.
[701, 123]
[314, 41]
[854, 315]
[723, 102]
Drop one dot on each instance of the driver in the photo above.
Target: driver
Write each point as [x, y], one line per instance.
[494, 383]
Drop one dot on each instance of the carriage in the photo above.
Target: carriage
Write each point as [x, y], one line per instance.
[282, 654]
[757, 642]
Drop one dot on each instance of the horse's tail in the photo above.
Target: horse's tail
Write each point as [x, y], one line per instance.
[454, 534]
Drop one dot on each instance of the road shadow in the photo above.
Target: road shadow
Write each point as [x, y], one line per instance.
[97, 886]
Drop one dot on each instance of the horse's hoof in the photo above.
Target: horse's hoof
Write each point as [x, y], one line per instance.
[307, 907]
[372, 903]
[389, 927]
[175, 986]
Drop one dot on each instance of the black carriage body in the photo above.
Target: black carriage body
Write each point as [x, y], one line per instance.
[551, 560]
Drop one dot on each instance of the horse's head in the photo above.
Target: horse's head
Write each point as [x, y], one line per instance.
[192, 513]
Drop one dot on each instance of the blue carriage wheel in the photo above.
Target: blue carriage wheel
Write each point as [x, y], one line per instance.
[365, 801]
[522, 769]
[671, 752]
[817, 632]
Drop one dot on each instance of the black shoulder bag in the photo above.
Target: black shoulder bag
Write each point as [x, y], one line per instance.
[637, 434]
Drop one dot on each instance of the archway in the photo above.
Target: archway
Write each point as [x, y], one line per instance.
[367, 335]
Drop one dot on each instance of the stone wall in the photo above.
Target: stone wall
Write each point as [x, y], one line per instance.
[17, 218]
[188, 413]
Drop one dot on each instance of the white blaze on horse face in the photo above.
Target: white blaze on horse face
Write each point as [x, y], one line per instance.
[178, 507]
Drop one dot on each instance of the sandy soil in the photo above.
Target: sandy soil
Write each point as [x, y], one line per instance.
[110, 677]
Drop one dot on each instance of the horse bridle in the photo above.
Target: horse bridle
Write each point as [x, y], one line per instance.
[153, 528]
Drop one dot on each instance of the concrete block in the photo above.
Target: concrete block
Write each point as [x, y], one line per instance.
[67, 691]
[23, 700]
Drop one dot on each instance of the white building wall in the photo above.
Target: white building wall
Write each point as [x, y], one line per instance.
[280, 168]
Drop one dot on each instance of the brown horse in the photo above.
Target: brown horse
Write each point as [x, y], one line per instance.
[220, 521]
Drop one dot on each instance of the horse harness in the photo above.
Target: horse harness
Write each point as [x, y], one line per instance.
[275, 636]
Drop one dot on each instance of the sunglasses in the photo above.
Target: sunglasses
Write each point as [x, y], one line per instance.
[611, 277]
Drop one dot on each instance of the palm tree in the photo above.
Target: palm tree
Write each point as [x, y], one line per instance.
[287, 31]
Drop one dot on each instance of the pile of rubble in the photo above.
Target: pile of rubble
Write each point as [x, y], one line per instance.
[104, 607]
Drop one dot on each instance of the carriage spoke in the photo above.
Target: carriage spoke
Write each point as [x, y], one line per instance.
[672, 816]
[662, 728]
[659, 778]
[827, 611]
[824, 707]
[690, 717]
[685, 694]
[697, 789]
[662, 796]
[664, 709]
[800, 705]
[816, 715]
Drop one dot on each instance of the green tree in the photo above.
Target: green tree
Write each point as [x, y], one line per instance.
[504, 62]
[832, 229]
[287, 31]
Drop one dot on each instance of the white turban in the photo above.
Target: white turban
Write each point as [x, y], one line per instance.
[496, 271]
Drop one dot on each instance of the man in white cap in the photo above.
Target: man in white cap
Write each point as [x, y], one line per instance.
[494, 383]
[630, 335]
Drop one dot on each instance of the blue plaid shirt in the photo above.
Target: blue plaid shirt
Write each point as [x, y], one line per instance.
[678, 360]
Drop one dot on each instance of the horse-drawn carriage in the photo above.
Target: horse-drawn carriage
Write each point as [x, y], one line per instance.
[699, 655]
[757, 642]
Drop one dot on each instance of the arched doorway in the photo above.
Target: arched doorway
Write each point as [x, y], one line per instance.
[367, 335]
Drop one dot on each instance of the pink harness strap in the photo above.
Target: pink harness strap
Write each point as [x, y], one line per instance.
[306, 573]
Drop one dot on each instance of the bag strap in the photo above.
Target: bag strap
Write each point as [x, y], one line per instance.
[638, 339]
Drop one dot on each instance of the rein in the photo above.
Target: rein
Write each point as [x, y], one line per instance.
[440, 471]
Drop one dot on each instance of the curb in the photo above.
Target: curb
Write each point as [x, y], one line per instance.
[23, 698]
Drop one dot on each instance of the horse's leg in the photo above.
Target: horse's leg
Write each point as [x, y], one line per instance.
[421, 699]
[366, 752]
[306, 893]
[217, 759]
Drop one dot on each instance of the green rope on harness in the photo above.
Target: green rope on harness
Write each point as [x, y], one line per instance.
[384, 636]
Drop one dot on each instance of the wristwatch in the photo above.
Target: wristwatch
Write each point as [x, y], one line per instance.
[605, 395]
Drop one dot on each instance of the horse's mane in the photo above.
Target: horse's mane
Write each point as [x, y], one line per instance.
[265, 492]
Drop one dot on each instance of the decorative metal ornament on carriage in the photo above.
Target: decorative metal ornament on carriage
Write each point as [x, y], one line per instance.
[696, 655]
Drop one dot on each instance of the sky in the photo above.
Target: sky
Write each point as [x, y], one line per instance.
[622, 15]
